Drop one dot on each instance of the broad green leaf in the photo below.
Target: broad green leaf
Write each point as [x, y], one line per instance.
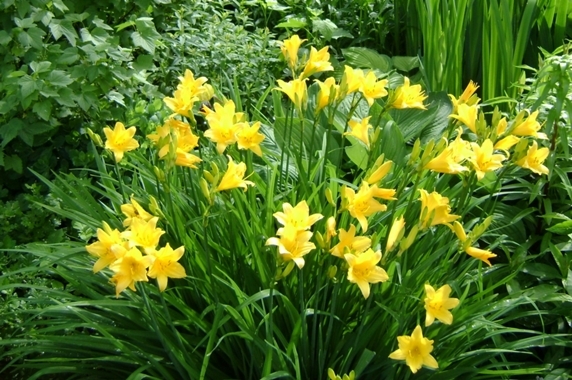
[65, 28]
[59, 78]
[562, 228]
[392, 144]
[59, 4]
[542, 271]
[43, 109]
[405, 63]
[10, 130]
[358, 154]
[32, 37]
[27, 86]
[68, 56]
[13, 162]
[325, 27]
[146, 35]
[100, 24]
[4, 38]
[116, 97]
[40, 67]
[143, 62]
[294, 23]
[66, 97]
[24, 23]
[367, 59]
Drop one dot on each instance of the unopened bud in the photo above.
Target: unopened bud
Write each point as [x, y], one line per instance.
[329, 197]
[154, 207]
[205, 189]
[95, 138]
[160, 174]
[405, 244]
[208, 176]
[415, 152]
[320, 240]
[332, 271]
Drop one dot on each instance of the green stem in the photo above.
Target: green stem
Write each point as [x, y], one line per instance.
[120, 180]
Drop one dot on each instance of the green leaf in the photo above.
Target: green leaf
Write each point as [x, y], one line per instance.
[25, 23]
[358, 154]
[68, 56]
[562, 228]
[541, 271]
[143, 62]
[392, 143]
[367, 59]
[116, 97]
[32, 37]
[27, 86]
[10, 130]
[43, 109]
[100, 24]
[59, 78]
[4, 38]
[66, 97]
[405, 63]
[325, 27]
[294, 23]
[146, 35]
[59, 4]
[26, 136]
[13, 163]
[40, 67]
[64, 27]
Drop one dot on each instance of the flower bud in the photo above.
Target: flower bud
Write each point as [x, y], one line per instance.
[95, 138]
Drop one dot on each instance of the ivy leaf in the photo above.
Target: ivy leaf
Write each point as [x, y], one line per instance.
[146, 35]
[13, 163]
[32, 37]
[43, 109]
[10, 130]
[59, 78]
[27, 86]
[40, 67]
[69, 56]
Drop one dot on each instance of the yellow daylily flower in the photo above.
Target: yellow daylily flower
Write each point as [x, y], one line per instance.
[120, 140]
[484, 160]
[349, 240]
[328, 92]
[224, 123]
[407, 96]
[438, 303]
[395, 233]
[467, 97]
[290, 49]
[480, 254]
[379, 173]
[134, 210]
[372, 89]
[129, 269]
[529, 127]
[102, 248]
[293, 244]
[296, 90]
[319, 61]
[297, 217]
[534, 159]
[363, 204]
[249, 138]
[415, 350]
[332, 375]
[435, 209]
[143, 234]
[363, 270]
[467, 115]
[506, 143]
[351, 81]
[189, 160]
[360, 130]
[234, 177]
[189, 91]
[165, 265]
[330, 228]
[449, 160]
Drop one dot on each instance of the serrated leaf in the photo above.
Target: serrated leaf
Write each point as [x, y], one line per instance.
[59, 78]
[40, 67]
[367, 59]
[146, 35]
[59, 4]
[13, 163]
[64, 27]
[24, 23]
[4, 38]
[143, 62]
[294, 23]
[116, 97]
[68, 56]
[23, 7]
[562, 228]
[124, 25]
[26, 137]
[27, 86]
[43, 109]
[10, 130]
[32, 37]
[66, 97]
[325, 27]
[100, 24]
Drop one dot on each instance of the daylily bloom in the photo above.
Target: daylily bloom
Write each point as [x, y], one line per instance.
[223, 122]
[467, 115]
[293, 244]
[466, 97]
[296, 90]
[395, 233]
[379, 173]
[330, 228]
[143, 234]
[480, 254]
[189, 91]
[129, 269]
[120, 140]
[449, 160]
[234, 177]
[360, 130]
[435, 209]
[297, 217]
[529, 127]
[328, 90]
[349, 240]
[165, 265]
[363, 204]
[332, 375]
[484, 160]
[534, 159]
[101, 249]
[351, 81]
[248, 137]
[364, 271]
[506, 143]
[189, 160]
[290, 49]
[407, 96]
[438, 303]
[134, 210]
[318, 62]
[372, 89]
[415, 350]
